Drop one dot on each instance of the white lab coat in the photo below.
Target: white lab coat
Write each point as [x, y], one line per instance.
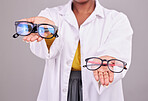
[105, 32]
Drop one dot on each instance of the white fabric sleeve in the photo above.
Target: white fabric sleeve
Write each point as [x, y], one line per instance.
[40, 48]
[118, 44]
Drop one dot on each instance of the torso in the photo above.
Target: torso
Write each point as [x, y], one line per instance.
[76, 66]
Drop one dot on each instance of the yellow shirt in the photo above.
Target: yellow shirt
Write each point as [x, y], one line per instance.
[76, 65]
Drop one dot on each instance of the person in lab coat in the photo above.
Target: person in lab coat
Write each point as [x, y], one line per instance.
[85, 29]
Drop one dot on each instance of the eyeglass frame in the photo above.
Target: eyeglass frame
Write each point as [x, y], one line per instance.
[102, 60]
[35, 29]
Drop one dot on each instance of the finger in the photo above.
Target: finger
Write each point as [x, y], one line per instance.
[29, 37]
[96, 75]
[106, 78]
[25, 38]
[39, 39]
[101, 78]
[35, 37]
[111, 76]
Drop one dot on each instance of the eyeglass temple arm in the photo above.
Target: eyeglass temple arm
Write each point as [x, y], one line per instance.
[84, 66]
[56, 35]
[125, 65]
[15, 35]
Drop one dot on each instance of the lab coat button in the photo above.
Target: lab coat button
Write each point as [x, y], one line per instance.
[64, 90]
[69, 62]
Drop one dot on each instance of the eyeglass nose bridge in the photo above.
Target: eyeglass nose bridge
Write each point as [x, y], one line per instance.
[35, 29]
[103, 62]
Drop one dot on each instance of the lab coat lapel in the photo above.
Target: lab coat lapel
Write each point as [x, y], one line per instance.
[71, 19]
[68, 15]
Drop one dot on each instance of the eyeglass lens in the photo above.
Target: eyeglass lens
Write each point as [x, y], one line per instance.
[24, 28]
[115, 65]
[46, 31]
[93, 63]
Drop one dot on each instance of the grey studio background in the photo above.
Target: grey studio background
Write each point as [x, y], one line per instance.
[21, 71]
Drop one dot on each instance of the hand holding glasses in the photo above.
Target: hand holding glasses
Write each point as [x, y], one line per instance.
[25, 28]
[114, 65]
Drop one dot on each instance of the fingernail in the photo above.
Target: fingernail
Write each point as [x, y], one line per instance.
[106, 86]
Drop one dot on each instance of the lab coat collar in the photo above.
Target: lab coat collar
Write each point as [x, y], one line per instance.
[68, 9]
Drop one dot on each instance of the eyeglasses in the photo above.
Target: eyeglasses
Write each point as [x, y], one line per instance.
[114, 65]
[24, 28]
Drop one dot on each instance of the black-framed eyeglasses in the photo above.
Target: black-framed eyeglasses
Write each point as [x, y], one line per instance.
[24, 28]
[114, 65]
